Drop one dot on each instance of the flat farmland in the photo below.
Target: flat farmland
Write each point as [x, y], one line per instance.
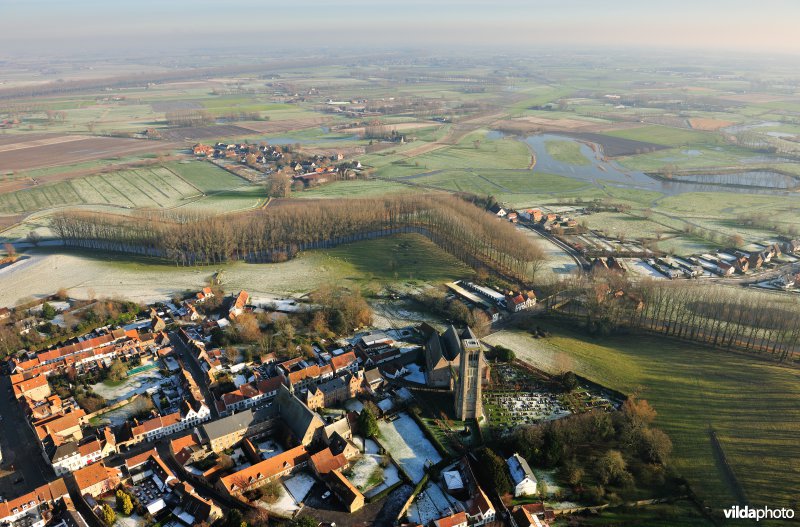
[140, 188]
[195, 133]
[28, 151]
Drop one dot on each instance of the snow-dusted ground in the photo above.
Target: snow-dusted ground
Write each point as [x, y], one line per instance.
[276, 303]
[404, 441]
[300, 485]
[549, 479]
[43, 274]
[285, 504]
[354, 405]
[269, 449]
[119, 416]
[138, 383]
[430, 504]
[415, 375]
[360, 473]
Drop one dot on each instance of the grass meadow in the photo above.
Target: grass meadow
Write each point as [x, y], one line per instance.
[753, 405]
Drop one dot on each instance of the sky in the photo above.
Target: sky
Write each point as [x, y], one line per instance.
[64, 27]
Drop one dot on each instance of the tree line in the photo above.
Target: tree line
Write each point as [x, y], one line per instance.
[279, 233]
[721, 316]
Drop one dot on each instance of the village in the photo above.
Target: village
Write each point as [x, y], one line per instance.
[149, 421]
[257, 161]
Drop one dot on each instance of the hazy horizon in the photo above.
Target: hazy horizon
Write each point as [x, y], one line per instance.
[35, 27]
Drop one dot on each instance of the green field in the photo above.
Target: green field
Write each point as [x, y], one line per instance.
[206, 176]
[668, 136]
[566, 152]
[753, 405]
[402, 257]
[139, 188]
[354, 189]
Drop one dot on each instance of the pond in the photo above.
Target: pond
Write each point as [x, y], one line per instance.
[600, 171]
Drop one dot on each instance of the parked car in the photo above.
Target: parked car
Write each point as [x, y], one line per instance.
[326, 495]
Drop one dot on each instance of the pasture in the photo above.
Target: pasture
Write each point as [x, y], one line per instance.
[753, 405]
[393, 258]
[566, 152]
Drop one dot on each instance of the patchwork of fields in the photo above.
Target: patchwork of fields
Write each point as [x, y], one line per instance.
[147, 187]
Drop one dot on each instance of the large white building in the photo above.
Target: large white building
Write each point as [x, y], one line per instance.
[521, 476]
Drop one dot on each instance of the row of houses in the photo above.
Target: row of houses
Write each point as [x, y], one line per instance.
[88, 353]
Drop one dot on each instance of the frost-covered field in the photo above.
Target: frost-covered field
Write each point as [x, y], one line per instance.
[430, 504]
[368, 467]
[119, 416]
[44, 274]
[404, 441]
[136, 384]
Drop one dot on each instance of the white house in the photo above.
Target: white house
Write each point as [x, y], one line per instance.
[521, 476]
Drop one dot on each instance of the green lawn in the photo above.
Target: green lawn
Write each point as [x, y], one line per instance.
[668, 136]
[753, 405]
[683, 513]
[403, 257]
[354, 189]
[566, 152]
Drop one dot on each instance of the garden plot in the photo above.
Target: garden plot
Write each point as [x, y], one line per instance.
[429, 505]
[370, 477]
[139, 383]
[299, 486]
[405, 442]
[120, 416]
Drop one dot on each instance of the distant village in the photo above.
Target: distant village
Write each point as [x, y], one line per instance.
[308, 170]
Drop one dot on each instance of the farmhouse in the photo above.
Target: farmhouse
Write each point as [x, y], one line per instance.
[520, 301]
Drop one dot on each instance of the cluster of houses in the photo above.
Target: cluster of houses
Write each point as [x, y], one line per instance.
[67, 441]
[309, 170]
[460, 483]
[547, 220]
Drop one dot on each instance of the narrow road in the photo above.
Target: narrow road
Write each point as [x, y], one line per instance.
[20, 448]
[194, 369]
